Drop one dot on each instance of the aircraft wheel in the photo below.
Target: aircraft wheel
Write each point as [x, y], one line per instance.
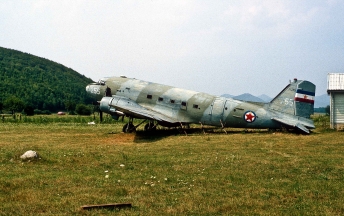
[150, 127]
[129, 128]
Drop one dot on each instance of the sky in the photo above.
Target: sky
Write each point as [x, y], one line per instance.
[217, 47]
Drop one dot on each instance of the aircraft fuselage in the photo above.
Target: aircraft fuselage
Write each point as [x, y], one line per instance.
[185, 105]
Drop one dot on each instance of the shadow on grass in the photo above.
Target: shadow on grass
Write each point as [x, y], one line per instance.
[141, 136]
[152, 136]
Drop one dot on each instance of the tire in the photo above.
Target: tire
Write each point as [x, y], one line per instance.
[129, 128]
[150, 127]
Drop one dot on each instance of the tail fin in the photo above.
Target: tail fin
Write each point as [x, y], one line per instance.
[295, 99]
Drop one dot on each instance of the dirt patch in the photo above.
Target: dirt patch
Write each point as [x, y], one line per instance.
[119, 138]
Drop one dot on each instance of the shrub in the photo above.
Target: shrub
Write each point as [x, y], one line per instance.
[82, 109]
[41, 112]
[29, 111]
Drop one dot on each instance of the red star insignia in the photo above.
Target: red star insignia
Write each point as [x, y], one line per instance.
[250, 116]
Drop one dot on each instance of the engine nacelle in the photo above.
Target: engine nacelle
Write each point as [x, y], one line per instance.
[105, 106]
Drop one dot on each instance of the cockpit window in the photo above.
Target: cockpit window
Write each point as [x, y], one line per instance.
[101, 82]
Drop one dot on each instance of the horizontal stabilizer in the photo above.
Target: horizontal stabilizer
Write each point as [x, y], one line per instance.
[295, 124]
[301, 127]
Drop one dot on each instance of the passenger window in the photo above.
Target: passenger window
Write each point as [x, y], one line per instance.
[195, 106]
[149, 96]
[183, 107]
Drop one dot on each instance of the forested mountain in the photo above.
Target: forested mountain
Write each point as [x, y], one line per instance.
[38, 82]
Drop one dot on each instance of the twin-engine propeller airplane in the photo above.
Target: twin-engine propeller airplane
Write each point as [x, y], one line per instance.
[169, 106]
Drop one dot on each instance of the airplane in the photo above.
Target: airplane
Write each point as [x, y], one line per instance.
[172, 107]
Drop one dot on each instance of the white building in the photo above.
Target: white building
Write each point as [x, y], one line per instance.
[335, 88]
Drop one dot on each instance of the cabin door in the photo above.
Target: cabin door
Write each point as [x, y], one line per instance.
[216, 113]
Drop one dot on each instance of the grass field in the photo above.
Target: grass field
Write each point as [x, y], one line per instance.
[239, 173]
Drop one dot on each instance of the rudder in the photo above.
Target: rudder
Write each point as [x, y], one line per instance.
[297, 98]
[304, 99]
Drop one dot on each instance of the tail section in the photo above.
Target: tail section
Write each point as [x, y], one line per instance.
[295, 99]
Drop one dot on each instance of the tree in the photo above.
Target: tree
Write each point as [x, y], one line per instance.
[14, 104]
[40, 83]
[70, 105]
[82, 109]
[29, 110]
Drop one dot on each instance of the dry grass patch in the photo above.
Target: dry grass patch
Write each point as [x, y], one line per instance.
[169, 173]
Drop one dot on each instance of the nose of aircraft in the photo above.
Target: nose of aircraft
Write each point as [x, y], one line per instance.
[94, 91]
[88, 88]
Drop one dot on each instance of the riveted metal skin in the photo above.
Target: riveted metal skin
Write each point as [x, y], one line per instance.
[171, 106]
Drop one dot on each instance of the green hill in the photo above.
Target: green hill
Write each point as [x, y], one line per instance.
[38, 82]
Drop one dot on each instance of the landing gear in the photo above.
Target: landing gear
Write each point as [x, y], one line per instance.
[150, 127]
[129, 128]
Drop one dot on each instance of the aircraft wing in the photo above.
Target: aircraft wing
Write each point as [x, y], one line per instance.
[300, 124]
[131, 108]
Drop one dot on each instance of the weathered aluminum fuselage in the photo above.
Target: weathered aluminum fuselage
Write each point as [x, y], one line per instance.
[188, 106]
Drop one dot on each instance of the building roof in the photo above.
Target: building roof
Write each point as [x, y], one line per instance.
[335, 81]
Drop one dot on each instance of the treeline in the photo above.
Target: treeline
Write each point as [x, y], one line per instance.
[39, 83]
[323, 109]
